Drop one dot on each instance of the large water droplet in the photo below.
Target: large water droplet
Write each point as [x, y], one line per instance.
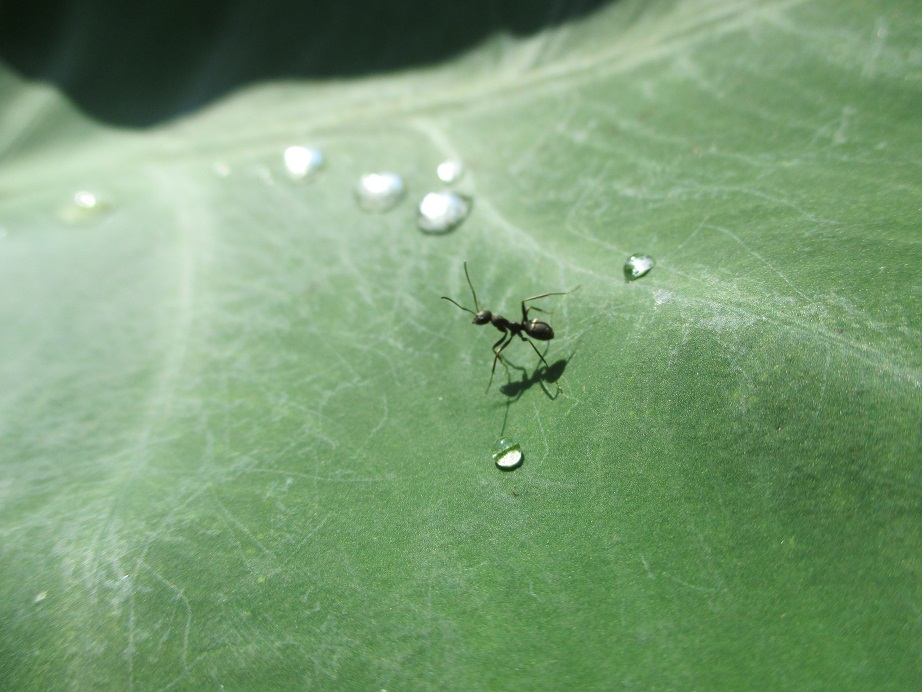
[380, 191]
[83, 207]
[507, 454]
[441, 212]
[450, 171]
[637, 266]
[303, 163]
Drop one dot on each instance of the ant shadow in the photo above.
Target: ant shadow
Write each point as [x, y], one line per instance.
[542, 376]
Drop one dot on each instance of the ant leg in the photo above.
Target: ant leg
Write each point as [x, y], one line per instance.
[501, 340]
[529, 309]
[497, 356]
[532, 344]
[547, 368]
[543, 295]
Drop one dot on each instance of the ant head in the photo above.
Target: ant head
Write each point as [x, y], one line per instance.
[483, 317]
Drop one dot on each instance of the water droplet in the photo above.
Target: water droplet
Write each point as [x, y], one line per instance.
[637, 266]
[507, 454]
[221, 169]
[40, 597]
[83, 207]
[661, 296]
[303, 163]
[441, 212]
[380, 191]
[265, 176]
[450, 171]
[85, 200]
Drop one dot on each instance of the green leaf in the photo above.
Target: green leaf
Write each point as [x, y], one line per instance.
[245, 444]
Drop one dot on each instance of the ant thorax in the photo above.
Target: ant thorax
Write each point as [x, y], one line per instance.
[502, 324]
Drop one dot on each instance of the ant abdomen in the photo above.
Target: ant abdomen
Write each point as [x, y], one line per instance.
[539, 330]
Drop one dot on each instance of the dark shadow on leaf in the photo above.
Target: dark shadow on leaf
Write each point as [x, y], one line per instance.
[541, 376]
[136, 64]
[514, 389]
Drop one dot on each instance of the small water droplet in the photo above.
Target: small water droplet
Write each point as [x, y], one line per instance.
[637, 266]
[379, 191]
[40, 597]
[662, 296]
[85, 200]
[441, 212]
[265, 176]
[303, 163]
[221, 169]
[450, 171]
[507, 454]
[84, 206]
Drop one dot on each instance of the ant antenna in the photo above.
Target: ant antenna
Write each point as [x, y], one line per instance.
[476, 304]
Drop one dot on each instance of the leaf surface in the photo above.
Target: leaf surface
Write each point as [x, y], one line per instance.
[246, 444]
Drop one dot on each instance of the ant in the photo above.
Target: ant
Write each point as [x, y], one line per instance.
[536, 329]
